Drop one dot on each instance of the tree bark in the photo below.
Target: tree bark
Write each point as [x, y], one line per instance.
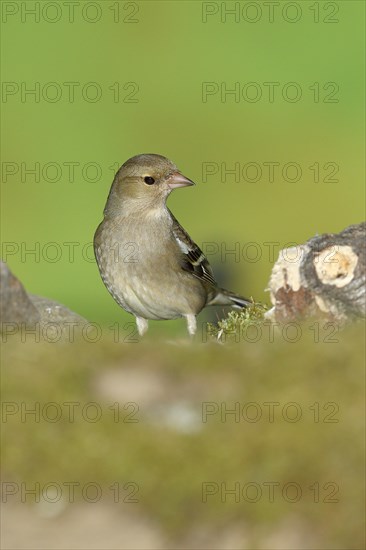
[325, 277]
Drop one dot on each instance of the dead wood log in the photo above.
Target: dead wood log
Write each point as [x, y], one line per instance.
[325, 277]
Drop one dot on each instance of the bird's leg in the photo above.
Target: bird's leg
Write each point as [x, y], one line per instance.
[142, 325]
[191, 324]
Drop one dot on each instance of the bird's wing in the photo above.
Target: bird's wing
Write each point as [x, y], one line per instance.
[193, 259]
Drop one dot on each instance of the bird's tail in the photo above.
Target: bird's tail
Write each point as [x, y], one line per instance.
[226, 298]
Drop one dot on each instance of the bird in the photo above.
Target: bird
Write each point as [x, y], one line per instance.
[147, 261]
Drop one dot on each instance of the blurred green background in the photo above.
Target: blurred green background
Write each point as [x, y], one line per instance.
[168, 53]
[161, 61]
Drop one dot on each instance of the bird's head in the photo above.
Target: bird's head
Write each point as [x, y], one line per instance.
[146, 180]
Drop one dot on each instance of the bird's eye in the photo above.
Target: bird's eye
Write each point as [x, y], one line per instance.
[149, 180]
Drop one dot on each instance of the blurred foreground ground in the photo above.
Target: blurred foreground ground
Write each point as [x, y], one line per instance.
[177, 445]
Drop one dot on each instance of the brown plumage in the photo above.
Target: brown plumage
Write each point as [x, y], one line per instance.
[146, 259]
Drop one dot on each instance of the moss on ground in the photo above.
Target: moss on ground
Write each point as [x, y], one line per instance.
[186, 437]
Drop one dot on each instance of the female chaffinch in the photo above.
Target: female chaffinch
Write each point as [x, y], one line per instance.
[146, 259]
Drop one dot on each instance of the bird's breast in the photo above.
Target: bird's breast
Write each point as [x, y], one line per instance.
[140, 268]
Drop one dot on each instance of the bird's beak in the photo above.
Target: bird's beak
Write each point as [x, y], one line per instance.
[178, 180]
